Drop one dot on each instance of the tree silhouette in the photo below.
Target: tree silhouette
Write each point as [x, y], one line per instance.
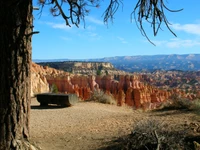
[15, 60]
[150, 11]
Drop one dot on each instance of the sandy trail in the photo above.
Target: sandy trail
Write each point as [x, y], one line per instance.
[85, 126]
[90, 126]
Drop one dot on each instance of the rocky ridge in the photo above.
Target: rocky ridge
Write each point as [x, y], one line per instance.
[39, 82]
[143, 63]
[126, 89]
[81, 67]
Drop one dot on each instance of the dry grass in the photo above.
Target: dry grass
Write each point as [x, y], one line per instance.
[153, 134]
[176, 104]
[195, 105]
[100, 96]
[181, 104]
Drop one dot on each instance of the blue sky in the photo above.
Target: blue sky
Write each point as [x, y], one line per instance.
[120, 38]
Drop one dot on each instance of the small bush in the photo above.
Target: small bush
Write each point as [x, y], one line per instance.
[54, 88]
[153, 134]
[181, 104]
[177, 104]
[100, 96]
[195, 105]
[99, 72]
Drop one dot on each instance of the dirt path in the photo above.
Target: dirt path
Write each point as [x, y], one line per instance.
[87, 125]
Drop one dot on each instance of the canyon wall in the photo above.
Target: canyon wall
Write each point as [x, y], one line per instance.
[127, 89]
[39, 82]
[92, 68]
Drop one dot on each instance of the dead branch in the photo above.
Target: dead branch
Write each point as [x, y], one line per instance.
[151, 11]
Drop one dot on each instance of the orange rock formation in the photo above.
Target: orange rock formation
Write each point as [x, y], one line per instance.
[127, 90]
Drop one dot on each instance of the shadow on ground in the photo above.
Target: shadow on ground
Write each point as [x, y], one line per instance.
[130, 142]
[48, 107]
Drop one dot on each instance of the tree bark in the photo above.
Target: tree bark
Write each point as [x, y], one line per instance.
[15, 59]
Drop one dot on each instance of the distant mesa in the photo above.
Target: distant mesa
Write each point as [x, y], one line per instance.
[127, 89]
[186, 62]
[80, 67]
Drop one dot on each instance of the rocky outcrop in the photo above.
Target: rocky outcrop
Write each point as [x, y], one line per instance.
[86, 68]
[126, 89]
[130, 91]
[187, 81]
[39, 82]
[78, 84]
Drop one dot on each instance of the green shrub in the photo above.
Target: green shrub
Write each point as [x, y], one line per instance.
[98, 72]
[54, 88]
[181, 104]
[100, 96]
[106, 72]
[177, 103]
[195, 105]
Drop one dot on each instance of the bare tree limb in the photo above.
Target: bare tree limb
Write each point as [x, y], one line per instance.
[158, 140]
[111, 10]
[151, 11]
[62, 13]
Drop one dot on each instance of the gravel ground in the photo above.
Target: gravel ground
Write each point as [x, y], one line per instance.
[92, 126]
[85, 126]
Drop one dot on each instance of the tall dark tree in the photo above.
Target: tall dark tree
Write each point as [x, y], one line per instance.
[15, 59]
[15, 54]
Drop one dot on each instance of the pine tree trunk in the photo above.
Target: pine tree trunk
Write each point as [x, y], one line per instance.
[15, 60]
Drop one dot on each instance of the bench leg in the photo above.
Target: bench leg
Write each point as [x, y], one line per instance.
[43, 104]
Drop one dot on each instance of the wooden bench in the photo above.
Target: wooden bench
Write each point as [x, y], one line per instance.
[64, 100]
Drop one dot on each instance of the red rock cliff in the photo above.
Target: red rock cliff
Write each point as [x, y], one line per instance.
[128, 89]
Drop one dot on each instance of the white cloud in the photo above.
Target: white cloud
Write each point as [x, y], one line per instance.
[62, 26]
[91, 28]
[65, 38]
[182, 43]
[94, 20]
[158, 43]
[189, 28]
[178, 43]
[88, 32]
[122, 40]
[93, 34]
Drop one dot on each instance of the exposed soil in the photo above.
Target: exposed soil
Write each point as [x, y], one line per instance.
[90, 126]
